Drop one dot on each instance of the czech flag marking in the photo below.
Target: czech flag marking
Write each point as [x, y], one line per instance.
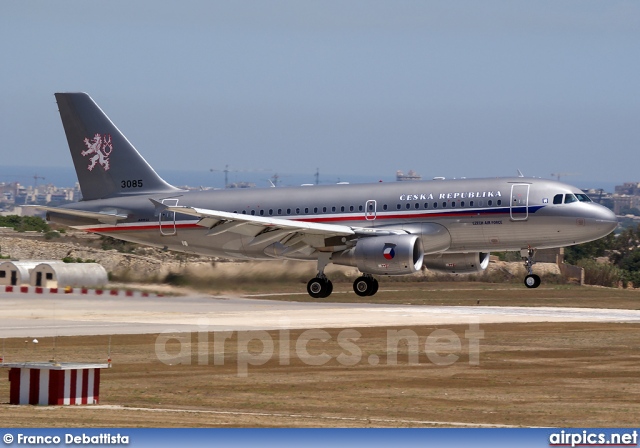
[389, 253]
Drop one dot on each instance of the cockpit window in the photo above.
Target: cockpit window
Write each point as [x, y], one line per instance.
[557, 199]
[569, 198]
[583, 197]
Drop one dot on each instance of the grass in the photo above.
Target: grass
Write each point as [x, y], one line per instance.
[545, 374]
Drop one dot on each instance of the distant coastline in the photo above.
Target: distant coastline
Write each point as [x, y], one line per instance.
[65, 177]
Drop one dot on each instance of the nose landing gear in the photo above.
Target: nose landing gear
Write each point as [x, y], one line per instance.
[531, 280]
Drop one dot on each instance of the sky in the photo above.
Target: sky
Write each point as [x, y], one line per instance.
[356, 89]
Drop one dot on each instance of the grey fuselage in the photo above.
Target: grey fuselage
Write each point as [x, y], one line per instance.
[479, 215]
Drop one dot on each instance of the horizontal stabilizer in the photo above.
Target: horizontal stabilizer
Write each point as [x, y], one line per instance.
[106, 217]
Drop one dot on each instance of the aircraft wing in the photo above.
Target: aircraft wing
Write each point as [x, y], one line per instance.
[294, 235]
[107, 216]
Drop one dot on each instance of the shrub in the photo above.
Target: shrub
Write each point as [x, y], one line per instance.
[600, 273]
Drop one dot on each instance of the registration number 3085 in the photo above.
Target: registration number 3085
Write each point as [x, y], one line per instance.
[137, 183]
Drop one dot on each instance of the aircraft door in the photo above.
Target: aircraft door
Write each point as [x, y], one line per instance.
[370, 210]
[519, 202]
[168, 219]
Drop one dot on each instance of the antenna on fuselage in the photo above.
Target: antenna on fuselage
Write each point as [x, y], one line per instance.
[520, 174]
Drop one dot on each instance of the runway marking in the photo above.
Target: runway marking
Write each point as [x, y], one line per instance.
[283, 415]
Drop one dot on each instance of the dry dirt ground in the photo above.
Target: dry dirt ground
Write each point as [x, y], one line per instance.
[456, 294]
[578, 374]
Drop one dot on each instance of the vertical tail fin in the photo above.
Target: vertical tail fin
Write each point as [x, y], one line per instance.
[106, 163]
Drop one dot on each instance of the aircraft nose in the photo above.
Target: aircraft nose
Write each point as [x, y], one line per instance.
[604, 219]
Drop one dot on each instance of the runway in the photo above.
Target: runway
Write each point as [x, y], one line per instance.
[25, 315]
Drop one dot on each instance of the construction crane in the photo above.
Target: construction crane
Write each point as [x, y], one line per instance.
[227, 170]
[35, 179]
[559, 175]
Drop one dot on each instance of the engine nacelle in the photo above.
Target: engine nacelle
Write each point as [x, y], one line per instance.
[457, 263]
[385, 255]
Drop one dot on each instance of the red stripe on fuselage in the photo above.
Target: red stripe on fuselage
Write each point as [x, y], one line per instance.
[432, 215]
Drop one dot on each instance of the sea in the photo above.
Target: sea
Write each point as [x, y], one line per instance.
[65, 177]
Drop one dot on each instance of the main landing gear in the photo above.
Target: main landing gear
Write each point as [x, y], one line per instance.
[365, 285]
[531, 280]
[321, 287]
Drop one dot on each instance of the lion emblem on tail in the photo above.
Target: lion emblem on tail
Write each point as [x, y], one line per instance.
[100, 146]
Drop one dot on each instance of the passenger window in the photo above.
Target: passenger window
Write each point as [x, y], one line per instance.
[470, 203]
[315, 209]
[444, 205]
[557, 199]
[279, 211]
[261, 212]
[435, 205]
[417, 206]
[408, 206]
[244, 212]
[398, 206]
[306, 210]
[426, 205]
[360, 208]
[351, 208]
[453, 205]
[342, 208]
[499, 201]
[270, 212]
[288, 211]
[333, 209]
[253, 212]
[297, 211]
[324, 209]
[462, 204]
[384, 207]
[490, 202]
[569, 198]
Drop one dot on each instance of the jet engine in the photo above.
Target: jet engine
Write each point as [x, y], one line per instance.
[386, 255]
[457, 263]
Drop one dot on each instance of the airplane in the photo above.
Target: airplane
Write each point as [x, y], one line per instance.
[385, 229]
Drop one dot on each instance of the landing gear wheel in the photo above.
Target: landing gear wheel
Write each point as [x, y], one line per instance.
[374, 289]
[329, 289]
[319, 288]
[532, 281]
[365, 286]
